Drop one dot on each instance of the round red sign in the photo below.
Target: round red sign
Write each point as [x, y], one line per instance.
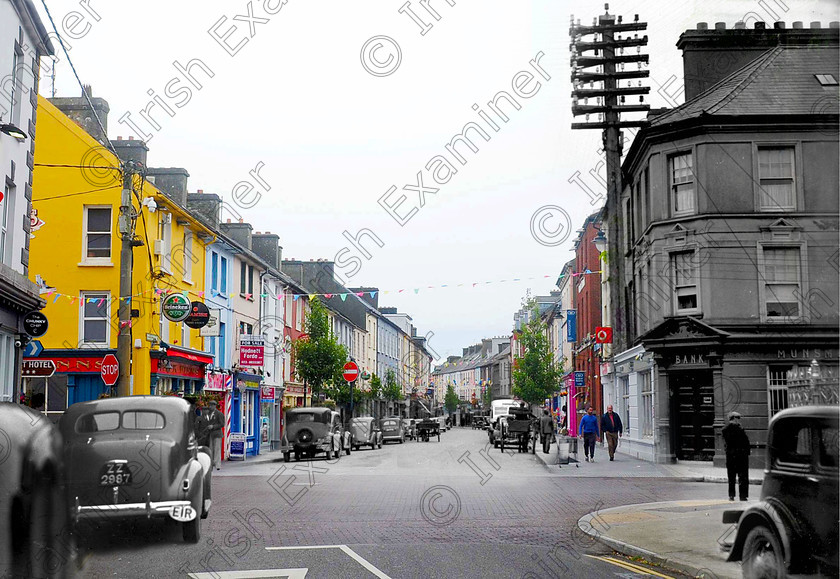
[110, 369]
[351, 371]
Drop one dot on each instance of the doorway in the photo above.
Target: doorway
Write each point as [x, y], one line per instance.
[693, 414]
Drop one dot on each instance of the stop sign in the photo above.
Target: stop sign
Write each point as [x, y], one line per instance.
[351, 371]
[110, 369]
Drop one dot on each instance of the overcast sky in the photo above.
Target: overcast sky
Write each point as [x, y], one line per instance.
[289, 90]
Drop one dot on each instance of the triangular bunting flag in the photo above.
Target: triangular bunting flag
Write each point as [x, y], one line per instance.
[372, 294]
[343, 297]
[328, 296]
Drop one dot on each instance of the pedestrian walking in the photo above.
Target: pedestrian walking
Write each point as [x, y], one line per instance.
[613, 430]
[588, 430]
[546, 431]
[202, 433]
[737, 445]
[215, 426]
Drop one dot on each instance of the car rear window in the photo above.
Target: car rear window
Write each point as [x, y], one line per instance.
[143, 420]
[99, 422]
[389, 423]
[306, 417]
[792, 444]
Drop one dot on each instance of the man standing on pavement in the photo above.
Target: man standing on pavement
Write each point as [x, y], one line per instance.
[215, 425]
[588, 429]
[546, 430]
[737, 445]
[611, 424]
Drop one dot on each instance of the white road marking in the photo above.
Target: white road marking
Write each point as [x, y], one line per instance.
[255, 573]
[347, 550]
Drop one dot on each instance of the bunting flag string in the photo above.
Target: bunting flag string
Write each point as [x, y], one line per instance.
[158, 292]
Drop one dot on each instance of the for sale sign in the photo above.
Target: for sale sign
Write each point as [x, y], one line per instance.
[250, 355]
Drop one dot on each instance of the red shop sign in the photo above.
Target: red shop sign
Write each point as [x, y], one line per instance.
[250, 355]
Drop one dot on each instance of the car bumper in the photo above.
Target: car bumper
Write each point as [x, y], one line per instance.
[146, 509]
[392, 437]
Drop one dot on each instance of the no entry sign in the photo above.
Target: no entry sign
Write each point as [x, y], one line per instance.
[351, 371]
[110, 369]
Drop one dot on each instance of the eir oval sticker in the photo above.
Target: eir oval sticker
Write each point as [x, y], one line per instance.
[182, 513]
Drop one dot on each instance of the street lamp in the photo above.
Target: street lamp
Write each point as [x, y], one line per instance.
[13, 131]
[600, 242]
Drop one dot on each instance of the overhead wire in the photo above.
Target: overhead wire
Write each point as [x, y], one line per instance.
[78, 80]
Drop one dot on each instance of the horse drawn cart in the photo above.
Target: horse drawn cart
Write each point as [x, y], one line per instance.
[427, 428]
[520, 430]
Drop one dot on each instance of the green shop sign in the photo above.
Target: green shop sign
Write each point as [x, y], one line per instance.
[176, 307]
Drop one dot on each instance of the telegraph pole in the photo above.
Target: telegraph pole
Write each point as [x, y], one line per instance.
[126, 226]
[610, 99]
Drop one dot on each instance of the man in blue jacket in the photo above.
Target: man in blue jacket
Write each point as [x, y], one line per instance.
[589, 430]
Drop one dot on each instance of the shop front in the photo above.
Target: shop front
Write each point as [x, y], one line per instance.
[293, 397]
[702, 373]
[246, 411]
[220, 384]
[55, 379]
[271, 412]
[178, 371]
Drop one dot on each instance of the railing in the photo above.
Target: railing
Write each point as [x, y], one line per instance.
[813, 385]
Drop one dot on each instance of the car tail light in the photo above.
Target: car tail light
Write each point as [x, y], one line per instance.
[185, 485]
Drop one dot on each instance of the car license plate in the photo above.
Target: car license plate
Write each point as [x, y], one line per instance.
[182, 513]
[115, 474]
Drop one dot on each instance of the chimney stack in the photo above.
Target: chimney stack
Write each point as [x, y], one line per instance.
[709, 56]
[78, 109]
[205, 206]
[172, 181]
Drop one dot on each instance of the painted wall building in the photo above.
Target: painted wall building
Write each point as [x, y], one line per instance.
[80, 280]
[23, 41]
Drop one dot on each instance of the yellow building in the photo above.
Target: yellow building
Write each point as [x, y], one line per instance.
[75, 258]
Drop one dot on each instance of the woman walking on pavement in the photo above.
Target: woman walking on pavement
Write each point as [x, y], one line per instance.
[589, 431]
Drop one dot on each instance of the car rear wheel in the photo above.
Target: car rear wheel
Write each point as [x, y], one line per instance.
[43, 532]
[191, 530]
[297, 455]
[763, 557]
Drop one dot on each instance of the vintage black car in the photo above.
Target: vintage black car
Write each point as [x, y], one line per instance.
[312, 430]
[35, 538]
[794, 528]
[392, 429]
[136, 457]
[365, 431]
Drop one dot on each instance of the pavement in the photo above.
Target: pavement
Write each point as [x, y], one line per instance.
[682, 535]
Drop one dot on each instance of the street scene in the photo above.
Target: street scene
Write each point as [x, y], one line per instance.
[607, 346]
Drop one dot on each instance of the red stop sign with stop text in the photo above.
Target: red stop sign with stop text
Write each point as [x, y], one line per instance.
[110, 369]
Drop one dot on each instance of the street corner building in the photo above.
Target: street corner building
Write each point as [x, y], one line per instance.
[75, 260]
[729, 213]
[24, 41]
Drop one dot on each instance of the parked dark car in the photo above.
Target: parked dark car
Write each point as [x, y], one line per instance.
[34, 515]
[794, 527]
[312, 430]
[136, 457]
[392, 429]
[365, 432]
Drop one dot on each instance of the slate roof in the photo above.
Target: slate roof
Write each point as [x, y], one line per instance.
[781, 81]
